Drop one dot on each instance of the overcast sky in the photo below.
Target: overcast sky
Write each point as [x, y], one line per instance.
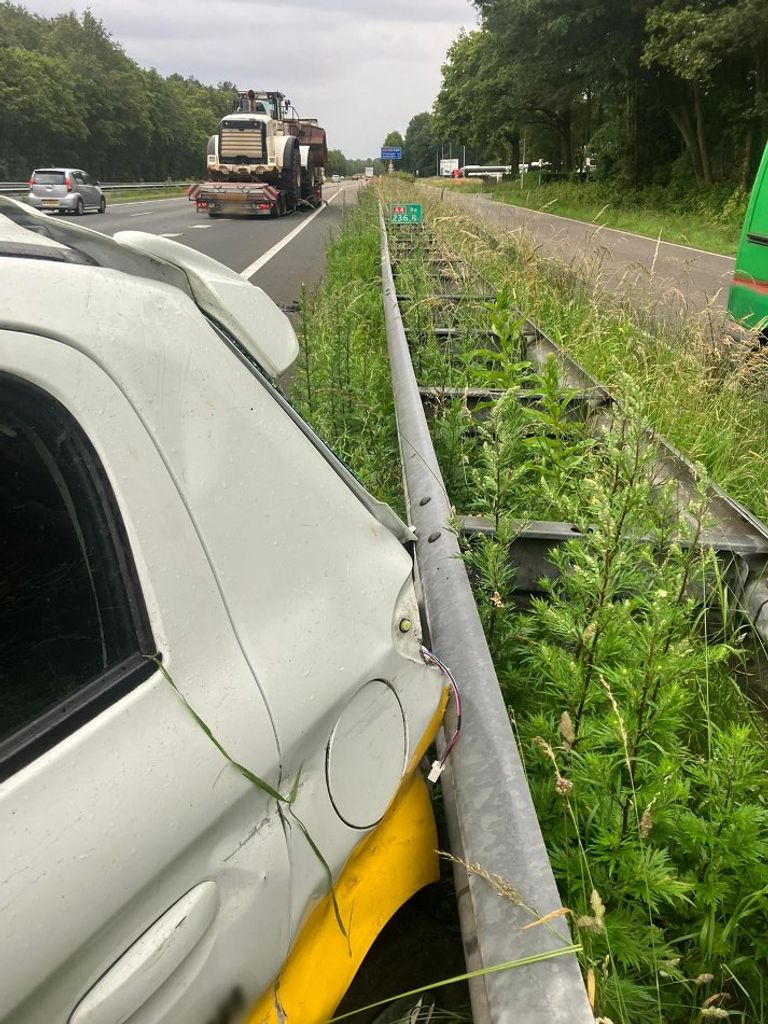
[362, 67]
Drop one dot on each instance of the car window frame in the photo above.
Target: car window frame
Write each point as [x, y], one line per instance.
[108, 686]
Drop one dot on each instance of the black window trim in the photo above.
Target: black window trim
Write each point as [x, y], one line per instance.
[100, 692]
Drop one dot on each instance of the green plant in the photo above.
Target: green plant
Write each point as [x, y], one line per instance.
[647, 764]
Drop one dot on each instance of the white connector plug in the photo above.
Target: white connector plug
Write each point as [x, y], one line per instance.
[436, 771]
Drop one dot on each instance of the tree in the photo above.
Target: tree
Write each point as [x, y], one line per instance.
[337, 162]
[694, 41]
[419, 145]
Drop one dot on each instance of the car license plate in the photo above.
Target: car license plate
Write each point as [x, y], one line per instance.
[50, 202]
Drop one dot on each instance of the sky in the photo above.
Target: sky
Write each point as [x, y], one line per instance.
[363, 68]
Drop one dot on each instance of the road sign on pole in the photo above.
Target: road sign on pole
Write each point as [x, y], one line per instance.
[391, 152]
[405, 213]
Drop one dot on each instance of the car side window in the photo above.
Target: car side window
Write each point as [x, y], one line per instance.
[78, 176]
[74, 634]
[87, 179]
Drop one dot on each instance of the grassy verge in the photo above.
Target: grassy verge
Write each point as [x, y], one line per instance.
[341, 384]
[704, 219]
[647, 764]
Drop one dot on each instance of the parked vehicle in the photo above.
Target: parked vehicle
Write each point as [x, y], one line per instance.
[213, 686]
[491, 172]
[263, 159]
[748, 297]
[65, 190]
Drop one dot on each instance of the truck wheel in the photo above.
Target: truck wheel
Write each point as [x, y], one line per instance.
[290, 176]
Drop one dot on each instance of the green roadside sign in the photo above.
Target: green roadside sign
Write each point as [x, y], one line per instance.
[405, 213]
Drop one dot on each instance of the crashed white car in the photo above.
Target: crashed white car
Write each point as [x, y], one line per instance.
[214, 693]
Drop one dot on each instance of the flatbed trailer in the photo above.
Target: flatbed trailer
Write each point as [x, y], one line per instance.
[239, 198]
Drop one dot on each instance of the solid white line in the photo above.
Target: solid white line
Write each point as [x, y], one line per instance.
[171, 234]
[256, 266]
[607, 227]
[149, 213]
[199, 227]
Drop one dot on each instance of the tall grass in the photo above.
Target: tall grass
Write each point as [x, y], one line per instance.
[708, 218]
[706, 396]
[647, 764]
[341, 384]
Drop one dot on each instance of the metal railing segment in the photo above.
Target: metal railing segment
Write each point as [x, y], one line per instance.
[491, 819]
[8, 188]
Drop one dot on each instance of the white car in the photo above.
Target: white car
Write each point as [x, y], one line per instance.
[214, 690]
[335, 178]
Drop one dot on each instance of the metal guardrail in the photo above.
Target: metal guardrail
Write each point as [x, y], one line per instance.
[488, 760]
[489, 811]
[12, 187]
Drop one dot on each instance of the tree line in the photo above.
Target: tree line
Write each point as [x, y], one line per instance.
[69, 95]
[647, 88]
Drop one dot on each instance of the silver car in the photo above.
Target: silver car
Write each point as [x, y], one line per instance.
[65, 190]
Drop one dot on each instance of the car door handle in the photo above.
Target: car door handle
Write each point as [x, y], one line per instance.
[151, 960]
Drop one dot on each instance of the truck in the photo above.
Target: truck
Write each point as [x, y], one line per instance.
[264, 159]
[748, 298]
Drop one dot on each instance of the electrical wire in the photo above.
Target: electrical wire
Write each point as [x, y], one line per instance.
[438, 766]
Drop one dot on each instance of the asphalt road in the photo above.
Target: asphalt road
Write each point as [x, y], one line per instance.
[676, 279]
[249, 245]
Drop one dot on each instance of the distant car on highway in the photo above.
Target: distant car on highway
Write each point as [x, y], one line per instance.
[65, 190]
[335, 178]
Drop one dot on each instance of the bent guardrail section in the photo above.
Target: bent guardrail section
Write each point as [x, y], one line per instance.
[491, 819]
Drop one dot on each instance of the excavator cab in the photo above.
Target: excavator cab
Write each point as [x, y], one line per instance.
[252, 102]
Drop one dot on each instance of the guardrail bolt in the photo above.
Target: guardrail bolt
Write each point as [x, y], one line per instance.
[426, 500]
[405, 625]
[433, 536]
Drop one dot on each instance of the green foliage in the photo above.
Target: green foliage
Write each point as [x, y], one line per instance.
[69, 94]
[341, 385]
[420, 146]
[631, 83]
[648, 766]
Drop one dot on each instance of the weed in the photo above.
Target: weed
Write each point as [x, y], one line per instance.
[647, 764]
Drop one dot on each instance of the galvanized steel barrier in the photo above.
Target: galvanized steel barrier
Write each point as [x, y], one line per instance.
[490, 815]
[8, 188]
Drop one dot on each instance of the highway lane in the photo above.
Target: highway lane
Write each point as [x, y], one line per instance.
[241, 242]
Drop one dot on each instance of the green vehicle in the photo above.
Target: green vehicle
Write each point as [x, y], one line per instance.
[748, 299]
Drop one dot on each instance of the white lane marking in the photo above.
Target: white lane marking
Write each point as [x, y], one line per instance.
[149, 213]
[607, 227]
[200, 227]
[171, 234]
[259, 263]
